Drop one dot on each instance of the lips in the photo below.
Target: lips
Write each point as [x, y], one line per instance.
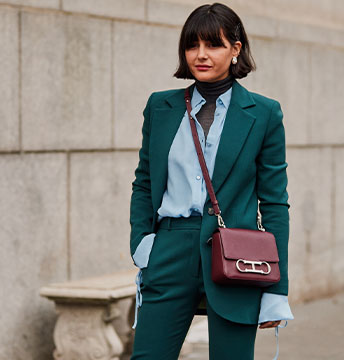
[203, 67]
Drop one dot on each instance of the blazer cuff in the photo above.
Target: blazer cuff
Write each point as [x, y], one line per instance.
[274, 307]
[142, 252]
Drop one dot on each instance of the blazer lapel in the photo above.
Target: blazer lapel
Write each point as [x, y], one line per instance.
[165, 123]
[236, 128]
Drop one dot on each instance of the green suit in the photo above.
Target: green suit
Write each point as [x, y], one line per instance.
[250, 165]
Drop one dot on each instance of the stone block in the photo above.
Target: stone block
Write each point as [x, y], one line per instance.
[283, 74]
[33, 250]
[128, 9]
[100, 199]
[317, 12]
[170, 12]
[324, 13]
[310, 33]
[305, 11]
[66, 82]
[51, 4]
[326, 102]
[9, 114]
[260, 26]
[338, 197]
[311, 240]
[175, 12]
[145, 58]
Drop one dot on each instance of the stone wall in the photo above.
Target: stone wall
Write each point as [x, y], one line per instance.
[74, 78]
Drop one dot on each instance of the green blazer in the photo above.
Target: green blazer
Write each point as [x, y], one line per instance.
[250, 166]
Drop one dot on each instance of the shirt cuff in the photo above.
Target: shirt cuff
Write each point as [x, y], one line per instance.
[274, 307]
[142, 252]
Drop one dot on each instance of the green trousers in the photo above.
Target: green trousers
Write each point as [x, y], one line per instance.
[172, 287]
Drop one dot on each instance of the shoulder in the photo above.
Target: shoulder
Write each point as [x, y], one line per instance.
[268, 109]
[264, 102]
[157, 98]
[264, 106]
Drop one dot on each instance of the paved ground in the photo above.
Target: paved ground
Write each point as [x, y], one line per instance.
[316, 333]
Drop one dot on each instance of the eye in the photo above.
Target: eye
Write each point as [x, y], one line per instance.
[212, 45]
[193, 45]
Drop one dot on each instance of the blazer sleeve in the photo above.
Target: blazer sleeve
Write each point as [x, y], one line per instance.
[141, 208]
[272, 192]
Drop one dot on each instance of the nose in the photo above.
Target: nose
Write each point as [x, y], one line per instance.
[202, 51]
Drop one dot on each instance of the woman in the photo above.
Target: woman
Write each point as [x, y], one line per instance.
[242, 138]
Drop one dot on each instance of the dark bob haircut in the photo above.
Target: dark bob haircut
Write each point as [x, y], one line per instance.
[206, 23]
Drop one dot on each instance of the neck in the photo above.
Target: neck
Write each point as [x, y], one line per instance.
[212, 90]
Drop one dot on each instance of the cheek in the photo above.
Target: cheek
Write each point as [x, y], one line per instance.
[189, 57]
[224, 60]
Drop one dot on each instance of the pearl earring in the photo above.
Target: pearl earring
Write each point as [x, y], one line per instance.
[234, 60]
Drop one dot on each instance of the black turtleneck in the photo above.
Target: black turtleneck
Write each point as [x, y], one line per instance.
[211, 91]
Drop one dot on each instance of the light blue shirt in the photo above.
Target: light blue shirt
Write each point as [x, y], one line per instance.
[186, 189]
[186, 193]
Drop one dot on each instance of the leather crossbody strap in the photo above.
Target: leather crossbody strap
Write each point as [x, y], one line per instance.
[204, 168]
[201, 159]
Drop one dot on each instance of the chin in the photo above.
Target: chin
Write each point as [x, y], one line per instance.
[205, 77]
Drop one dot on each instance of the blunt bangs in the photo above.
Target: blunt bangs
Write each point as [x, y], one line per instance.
[208, 29]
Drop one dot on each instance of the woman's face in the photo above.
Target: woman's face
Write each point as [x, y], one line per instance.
[211, 63]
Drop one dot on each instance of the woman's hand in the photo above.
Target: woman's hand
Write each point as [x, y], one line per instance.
[269, 324]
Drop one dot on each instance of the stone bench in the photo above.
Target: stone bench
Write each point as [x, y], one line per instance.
[95, 316]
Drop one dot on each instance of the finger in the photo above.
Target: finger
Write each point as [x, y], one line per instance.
[269, 324]
[265, 325]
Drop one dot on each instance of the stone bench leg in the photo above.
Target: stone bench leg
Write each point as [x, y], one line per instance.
[88, 331]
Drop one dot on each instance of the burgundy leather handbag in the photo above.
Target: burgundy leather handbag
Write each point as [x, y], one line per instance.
[239, 256]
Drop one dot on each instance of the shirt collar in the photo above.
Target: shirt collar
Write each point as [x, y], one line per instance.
[198, 99]
[225, 98]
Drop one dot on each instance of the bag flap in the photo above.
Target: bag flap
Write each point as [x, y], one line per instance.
[248, 244]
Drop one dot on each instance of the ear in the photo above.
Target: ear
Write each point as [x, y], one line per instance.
[236, 48]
